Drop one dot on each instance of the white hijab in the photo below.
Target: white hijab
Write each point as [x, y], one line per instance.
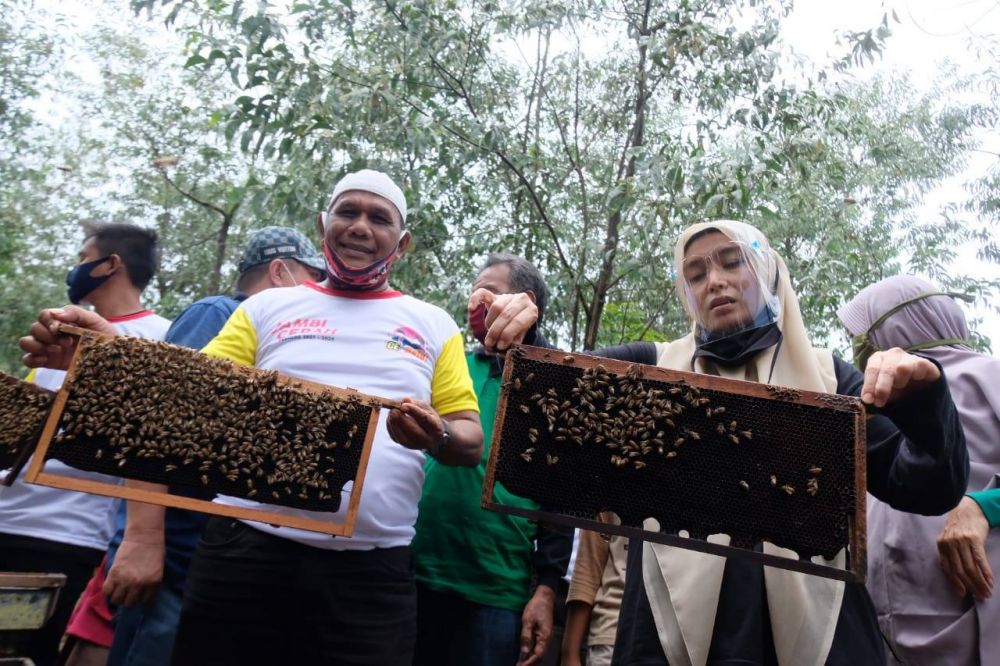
[683, 586]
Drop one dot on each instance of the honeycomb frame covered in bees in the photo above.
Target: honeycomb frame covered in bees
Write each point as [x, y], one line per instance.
[155, 412]
[701, 455]
[24, 408]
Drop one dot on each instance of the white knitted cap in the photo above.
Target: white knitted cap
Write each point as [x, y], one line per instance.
[376, 182]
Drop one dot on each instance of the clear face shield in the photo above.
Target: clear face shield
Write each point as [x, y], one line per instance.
[729, 285]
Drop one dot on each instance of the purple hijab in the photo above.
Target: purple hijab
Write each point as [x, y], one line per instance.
[928, 623]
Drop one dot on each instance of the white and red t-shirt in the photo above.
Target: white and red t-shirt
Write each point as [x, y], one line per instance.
[385, 344]
[66, 516]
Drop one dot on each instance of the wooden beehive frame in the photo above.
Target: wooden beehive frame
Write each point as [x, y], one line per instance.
[857, 532]
[36, 473]
[28, 447]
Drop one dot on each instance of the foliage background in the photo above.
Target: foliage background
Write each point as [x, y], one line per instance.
[584, 135]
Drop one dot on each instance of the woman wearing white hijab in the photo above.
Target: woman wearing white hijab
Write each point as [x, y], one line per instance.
[692, 609]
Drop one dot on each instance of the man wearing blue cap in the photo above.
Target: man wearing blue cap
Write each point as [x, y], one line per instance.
[150, 553]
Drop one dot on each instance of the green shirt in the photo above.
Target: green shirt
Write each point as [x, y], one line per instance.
[989, 502]
[459, 547]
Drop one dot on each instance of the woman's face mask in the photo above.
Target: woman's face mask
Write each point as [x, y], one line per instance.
[864, 346]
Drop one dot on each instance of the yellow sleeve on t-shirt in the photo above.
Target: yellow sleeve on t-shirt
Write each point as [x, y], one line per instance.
[451, 386]
[237, 341]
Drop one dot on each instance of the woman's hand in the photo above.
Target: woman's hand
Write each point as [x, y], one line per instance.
[893, 374]
[962, 546]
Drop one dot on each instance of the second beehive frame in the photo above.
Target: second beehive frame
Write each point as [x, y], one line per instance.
[856, 557]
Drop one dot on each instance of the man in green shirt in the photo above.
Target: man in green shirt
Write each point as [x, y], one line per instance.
[476, 568]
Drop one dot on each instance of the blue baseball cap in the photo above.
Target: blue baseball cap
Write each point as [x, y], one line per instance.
[280, 243]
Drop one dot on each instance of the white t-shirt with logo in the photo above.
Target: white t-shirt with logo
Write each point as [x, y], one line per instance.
[66, 516]
[385, 344]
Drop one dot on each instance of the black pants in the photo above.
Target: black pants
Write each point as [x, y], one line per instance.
[254, 598]
[29, 554]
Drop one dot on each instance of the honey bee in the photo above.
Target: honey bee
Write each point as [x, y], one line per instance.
[744, 485]
[551, 459]
[789, 489]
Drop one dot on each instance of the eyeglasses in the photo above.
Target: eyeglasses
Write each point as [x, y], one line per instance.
[730, 258]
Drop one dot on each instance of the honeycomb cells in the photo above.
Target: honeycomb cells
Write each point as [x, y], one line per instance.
[698, 460]
[23, 410]
[160, 413]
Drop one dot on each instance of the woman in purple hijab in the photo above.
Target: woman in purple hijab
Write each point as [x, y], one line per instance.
[931, 578]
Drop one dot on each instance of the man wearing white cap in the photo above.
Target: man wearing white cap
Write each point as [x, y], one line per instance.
[259, 594]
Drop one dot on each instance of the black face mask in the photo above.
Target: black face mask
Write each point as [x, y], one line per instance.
[81, 282]
[740, 347]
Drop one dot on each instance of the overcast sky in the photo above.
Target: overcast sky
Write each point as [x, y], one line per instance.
[929, 32]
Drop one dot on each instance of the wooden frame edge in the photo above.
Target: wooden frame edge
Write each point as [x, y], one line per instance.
[189, 503]
[777, 561]
[859, 526]
[491, 463]
[354, 503]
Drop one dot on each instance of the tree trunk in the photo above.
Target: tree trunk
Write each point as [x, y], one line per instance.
[221, 243]
[611, 235]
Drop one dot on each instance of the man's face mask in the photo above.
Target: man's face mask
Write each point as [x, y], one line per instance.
[369, 278]
[864, 346]
[291, 275]
[81, 282]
